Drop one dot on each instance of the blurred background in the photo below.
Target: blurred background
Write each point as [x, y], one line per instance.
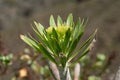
[17, 16]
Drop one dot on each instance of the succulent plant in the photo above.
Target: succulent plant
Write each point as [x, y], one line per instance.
[59, 41]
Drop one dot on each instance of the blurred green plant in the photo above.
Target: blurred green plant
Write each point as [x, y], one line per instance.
[5, 62]
[93, 69]
[6, 59]
[93, 78]
[100, 60]
[58, 43]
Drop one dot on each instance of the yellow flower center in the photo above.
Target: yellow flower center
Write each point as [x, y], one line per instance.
[49, 30]
[61, 30]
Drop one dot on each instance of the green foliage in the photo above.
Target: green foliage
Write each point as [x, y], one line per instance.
[95, 67]
[6, 59]
[93, 78]
[58, 42]
[100, 60]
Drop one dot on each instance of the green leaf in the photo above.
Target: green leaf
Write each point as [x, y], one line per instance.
[55, 33]
[63, 61]
[66, 40]
[56, 47]
[54, 44]
[28, 41]
[82, 55]
[52, 21]
[84, 46]
[40, 32]
[94, 78]
[79, 28]
[41, 37]
[59, 21]
[44, 40]
[101, 57]
[46, 53]
[39, 27]
[77, 34]
[37, 46]
[69, 20]
[2, 58]
[73, 46]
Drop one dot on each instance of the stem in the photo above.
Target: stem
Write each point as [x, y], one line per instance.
[77, 71]
[117, 76]
[58, 72]
[64, 73]
[54, 70]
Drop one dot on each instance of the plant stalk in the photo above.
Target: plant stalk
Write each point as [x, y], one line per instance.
[64, 73]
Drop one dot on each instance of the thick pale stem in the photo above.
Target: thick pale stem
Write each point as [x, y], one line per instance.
[59, 73]
[117, 76]
[54, 70]
[64, 73]
[77, 71]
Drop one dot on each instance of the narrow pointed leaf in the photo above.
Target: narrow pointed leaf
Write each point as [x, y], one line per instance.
[37, 46]
[46, 53]
[59, 21]
[52, 21]
[78, 29]
[28, 41]
[55, 45]
[55, 33]
[84, 46]
[63, 61]
[69, 20]
[39, 27]
[74, 44]
[66, 40]
[44, 40]
[77, 34]
[41, 37]
[79, 58]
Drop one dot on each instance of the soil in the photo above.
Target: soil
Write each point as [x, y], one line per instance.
[102, 14]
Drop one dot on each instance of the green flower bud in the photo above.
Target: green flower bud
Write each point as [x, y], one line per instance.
[49, 30]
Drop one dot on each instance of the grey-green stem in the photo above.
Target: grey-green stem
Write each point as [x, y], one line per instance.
[64, 73]
[58, 72]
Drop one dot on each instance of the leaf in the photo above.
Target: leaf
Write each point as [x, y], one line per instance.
[46, 53]
[2, 58]
[44, 40]
[69, 20]
[41, 37]
[73, 46]
[55, 45]
[66, 40]
[37, 46]
[39, 27]
[63, 61]
[28, 41]
[59, 21]
[77, 34]
[84, 46]
[78, 59]
[52, 21]
[79, 28]
[55, 33]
